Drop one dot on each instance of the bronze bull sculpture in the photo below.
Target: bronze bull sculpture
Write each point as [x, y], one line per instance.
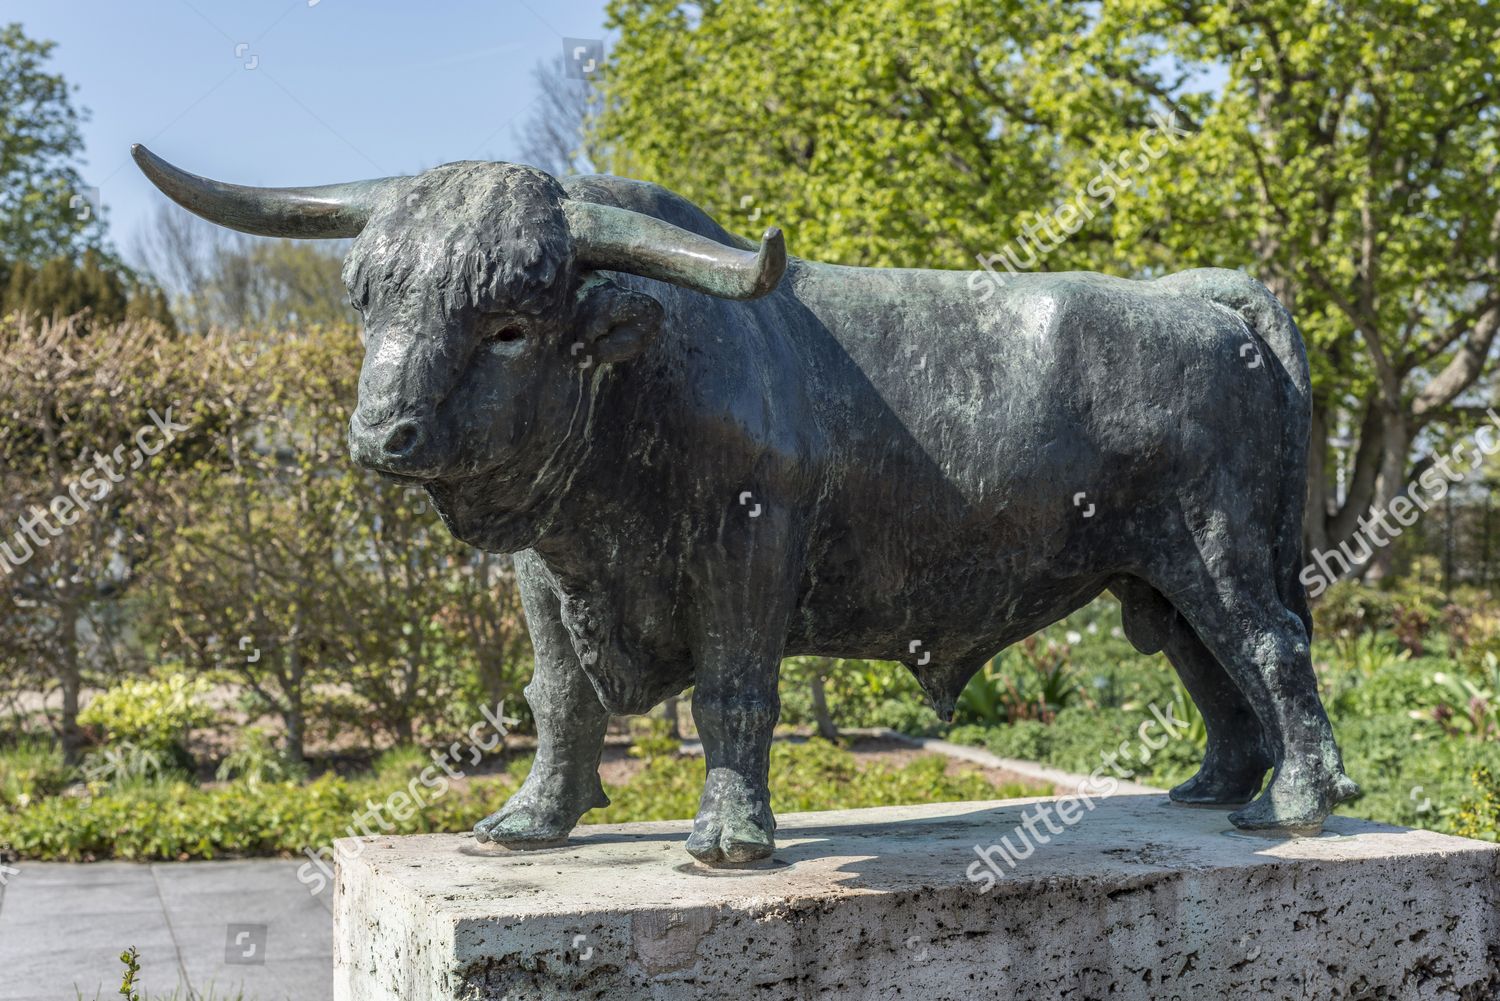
[706, 456]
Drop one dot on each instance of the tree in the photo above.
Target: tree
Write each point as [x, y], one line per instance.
[1322, 152]
[92, 429]
[884, 134]
[1360, 183]
[333, 595]
[94, 290]
[219, 278]
[46, 210]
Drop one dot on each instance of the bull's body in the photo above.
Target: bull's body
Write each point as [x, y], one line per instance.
[911, 465]
[940, 473]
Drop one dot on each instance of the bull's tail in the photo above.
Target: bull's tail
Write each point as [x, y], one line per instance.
[1272, 325]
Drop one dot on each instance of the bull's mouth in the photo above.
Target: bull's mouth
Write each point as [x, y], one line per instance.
[412, 479]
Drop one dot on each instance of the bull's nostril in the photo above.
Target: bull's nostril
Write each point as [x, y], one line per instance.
[402, 438]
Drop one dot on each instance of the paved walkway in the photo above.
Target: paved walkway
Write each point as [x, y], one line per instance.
[203, 928]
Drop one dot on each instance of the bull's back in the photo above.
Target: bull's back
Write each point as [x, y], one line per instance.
[981, 440]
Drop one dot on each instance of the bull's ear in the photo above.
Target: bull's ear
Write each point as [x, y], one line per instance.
[618, 323]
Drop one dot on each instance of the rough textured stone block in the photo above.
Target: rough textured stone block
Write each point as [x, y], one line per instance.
[1138, 899]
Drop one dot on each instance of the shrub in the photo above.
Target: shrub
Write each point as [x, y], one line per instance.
[172, 819]
[1079, 739]
[1036, 681]
[154, 714]
[859, 693]
[1478, 816]
[258, 760]
[32, 769]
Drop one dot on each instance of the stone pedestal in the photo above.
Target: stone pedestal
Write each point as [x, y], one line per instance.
[1136, 898]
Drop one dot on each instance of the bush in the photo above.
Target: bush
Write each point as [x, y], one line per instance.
[1079, 739]
[1478, 815]
[258, 760]
[861, 693]
[153, 714]
[175, 820]
[33, 769]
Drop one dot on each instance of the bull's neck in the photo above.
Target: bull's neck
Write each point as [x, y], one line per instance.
[619, 492]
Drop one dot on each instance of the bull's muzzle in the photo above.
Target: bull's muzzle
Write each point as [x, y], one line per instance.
[402, 446]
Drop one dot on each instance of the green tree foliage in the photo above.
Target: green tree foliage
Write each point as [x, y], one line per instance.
[1350, 160]
[887, 133]
[94, 289]
[44, 208]
[53, 262]
[1343, 153]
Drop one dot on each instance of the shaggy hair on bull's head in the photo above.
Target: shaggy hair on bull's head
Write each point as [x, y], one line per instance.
[486, 236]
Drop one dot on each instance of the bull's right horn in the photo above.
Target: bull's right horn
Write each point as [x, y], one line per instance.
[616, 239]
[330, 211]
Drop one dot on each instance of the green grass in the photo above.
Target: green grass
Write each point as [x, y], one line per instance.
[814, 775]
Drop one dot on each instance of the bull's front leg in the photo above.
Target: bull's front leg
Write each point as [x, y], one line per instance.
[735, 706]
[570, 724]
[744, 608]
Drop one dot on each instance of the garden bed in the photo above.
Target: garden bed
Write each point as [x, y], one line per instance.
[176, 819]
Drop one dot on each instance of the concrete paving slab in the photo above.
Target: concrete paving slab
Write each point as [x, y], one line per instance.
[245, 923]
[62, 929]
[238, 926]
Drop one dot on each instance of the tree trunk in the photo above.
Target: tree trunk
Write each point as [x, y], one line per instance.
[72, 684]
[295, 731]
[670, 714]
[1390, 484]
[1315, 516]
[295, 717]
[826, 728]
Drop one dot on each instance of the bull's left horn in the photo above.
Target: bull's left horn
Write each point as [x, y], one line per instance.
[329, 211]
[616, 239]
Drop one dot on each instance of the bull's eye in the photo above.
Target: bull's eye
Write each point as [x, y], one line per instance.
[500, 330]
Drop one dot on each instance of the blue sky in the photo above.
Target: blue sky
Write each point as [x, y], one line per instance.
[340, 89]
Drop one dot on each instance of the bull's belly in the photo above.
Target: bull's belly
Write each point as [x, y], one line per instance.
[959, 611]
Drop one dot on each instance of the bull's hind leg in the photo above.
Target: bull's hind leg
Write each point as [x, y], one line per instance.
[570, 725]
[1264, 647]
[1237, 756]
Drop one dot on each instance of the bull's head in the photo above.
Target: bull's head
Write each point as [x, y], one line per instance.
[486, 316]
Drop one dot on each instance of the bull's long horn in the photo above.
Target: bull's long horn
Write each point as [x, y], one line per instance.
[329, 211]
[616, 239]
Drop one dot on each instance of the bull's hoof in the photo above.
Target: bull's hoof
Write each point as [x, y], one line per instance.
[1295, 804]
[733, 827]
[524, 822]
[1220, 785]
[733, 843]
